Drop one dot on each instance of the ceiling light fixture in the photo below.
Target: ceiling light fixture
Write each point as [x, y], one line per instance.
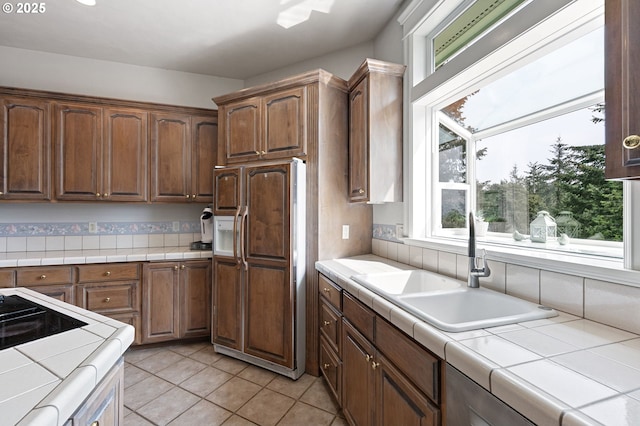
[87, 2]
[301, 12]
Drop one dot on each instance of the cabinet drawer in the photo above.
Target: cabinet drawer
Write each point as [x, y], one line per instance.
[330, 321]
[332, 292]
[7, 278]
[63, 293]
[108, 272]
[112, 298]
[331, 368]
[44, 276]
[422, 368]
[362, 318]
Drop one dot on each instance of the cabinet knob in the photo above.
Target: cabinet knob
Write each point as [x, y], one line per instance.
[360, 191]
[326, 290]
[175, 268]
[188, 196]
[98, 194]
[108, 273]
[181, 266]
[631, 142]
[368, 357]
[326, 366]
[43, 276]
[1, 193]
[257, 152]
[325, 322]
[105, 195]
[375, 365]
[193, 196]
[107, 300]
[95, 423]
[263, 152]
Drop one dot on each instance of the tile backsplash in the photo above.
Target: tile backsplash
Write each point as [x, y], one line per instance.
[608, 303]
[29, 237]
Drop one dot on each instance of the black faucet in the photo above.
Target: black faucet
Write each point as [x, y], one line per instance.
[475, 272]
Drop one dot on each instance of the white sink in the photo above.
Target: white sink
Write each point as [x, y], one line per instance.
[449, 304]
[406, 282]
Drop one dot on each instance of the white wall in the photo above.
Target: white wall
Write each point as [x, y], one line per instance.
[69, 74]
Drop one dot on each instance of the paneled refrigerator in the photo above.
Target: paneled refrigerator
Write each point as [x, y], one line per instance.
[259, 265]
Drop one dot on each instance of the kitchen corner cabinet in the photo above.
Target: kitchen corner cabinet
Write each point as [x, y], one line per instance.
[622, 87]
[378, 375]
[176, 300]
[266, 127]
[100, 153]
[375, 132]
[183, 152]
[25, 149]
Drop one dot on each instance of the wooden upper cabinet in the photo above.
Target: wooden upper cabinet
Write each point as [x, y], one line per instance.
[125, 155]
[170, 157]
[204, 131]
[285, 129]
[265, 127]
[25, 149]
[228, 197]
[183, 152]
[375, 132]
[78, 147]
[622, 86]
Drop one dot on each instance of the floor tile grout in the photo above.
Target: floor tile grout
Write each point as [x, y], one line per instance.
[254, 406]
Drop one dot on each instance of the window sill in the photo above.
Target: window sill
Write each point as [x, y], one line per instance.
[607, 269]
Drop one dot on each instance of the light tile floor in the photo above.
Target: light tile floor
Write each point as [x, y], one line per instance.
[191, 384]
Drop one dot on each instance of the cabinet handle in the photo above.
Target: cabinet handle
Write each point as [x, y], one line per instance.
[257, 152]
[375, 365]
[368, 357]
[108, 273]
[263, 152]
[631, 142]
[175, 268]
[107, 300]
[326, 290]
[95, 423]
[326, 323]
[43, 276]
[326, 366]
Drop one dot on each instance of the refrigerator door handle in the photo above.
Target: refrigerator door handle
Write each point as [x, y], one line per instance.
[243, 223]
[235, 236]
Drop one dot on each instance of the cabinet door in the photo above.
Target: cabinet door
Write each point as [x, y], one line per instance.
[227, 303]
[227, 197]
[268, 223]
[170, 157]
[160, 303]
[104, 406]
[622, 86]
[398, 401]
[358, 142]
[125, 155]
[269, 313]
[285, 124]
[25, 147]
[63, 293]
[195, 298]
[241, 131]
[358, 379]
[78, 144]
[204, 131]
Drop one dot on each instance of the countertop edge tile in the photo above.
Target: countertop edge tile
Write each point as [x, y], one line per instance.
[79, 383]
[472, 364]
[41, 416]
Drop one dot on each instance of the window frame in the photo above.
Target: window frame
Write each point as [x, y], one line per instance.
[535, 29]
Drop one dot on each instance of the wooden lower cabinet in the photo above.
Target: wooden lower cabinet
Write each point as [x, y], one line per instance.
[176, 300]
[113, 290]
[378, 375]
[53, 281]
[104, 407]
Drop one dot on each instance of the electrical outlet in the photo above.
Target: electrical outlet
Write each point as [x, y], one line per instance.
[345, 232]
[93, 227]
[399, 231]
[176, 226]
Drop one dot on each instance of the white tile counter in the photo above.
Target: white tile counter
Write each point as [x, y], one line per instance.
[74, 257]
[560, 371]
[43, 382]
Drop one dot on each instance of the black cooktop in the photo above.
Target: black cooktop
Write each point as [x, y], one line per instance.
[22, 321]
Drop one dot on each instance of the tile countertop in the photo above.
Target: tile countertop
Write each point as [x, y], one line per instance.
[560, 371]
[44, 381]
[73, 257]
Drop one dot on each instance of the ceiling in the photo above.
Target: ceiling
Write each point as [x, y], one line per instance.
[225, 38]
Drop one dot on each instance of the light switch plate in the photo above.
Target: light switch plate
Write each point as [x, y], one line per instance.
[345, 232]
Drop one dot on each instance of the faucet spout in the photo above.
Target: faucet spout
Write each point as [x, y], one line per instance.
[478, 266]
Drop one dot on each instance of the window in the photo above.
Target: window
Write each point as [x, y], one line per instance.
[514, 127]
